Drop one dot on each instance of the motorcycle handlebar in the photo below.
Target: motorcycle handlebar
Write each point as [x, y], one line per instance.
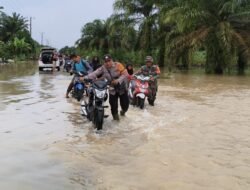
[78, 73]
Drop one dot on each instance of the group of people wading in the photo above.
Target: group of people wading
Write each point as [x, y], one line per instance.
[118, 77]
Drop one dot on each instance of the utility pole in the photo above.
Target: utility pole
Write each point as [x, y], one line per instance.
[31, 26]
[42, 39]
[47, 42]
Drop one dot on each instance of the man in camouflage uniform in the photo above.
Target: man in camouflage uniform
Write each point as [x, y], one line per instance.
[153, 71]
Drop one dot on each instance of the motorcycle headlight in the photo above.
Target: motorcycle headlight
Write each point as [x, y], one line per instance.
[100, 93]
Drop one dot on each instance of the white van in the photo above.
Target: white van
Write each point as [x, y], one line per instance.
[47, 59]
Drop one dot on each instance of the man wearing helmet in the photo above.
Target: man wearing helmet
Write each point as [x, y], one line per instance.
[153, 71]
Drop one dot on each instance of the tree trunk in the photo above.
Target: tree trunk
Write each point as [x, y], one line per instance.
[186, 59]
[162, 54]
[214, 61]
[242, 62]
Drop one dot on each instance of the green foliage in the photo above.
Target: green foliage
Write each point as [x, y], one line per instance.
[199, 58]
[12, 26]
[68, 50]
[173, 32]
[15, 38]
[210, 24]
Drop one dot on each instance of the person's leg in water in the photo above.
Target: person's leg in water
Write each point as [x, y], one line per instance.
[152, 92]
[133, 84]
[113, 101]
[71, 84]
[124, 103]
[54, 67]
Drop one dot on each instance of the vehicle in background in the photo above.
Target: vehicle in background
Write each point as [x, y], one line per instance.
[48, 59]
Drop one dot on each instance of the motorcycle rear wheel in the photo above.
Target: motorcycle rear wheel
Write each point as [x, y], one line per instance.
[140, 102]
[151, 102]
[79, 95]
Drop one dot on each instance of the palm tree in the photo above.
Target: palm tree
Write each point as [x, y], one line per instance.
[112, 35]
[94, 36]
[143, 14]
[163, 30]
[12, 26]
[215, 25]
[122, 33]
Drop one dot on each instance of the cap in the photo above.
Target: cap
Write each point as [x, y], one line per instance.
[107, 58]
[149, 59]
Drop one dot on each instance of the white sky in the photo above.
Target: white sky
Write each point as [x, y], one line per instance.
[60, 21]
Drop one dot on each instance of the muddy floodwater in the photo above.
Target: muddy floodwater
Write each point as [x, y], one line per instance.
[197, 137]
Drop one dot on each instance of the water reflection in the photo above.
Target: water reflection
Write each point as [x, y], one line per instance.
[17, 70]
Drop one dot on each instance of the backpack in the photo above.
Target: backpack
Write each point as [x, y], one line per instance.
[84, 65]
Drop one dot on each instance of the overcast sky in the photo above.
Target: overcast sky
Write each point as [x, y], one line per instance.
[60, 21]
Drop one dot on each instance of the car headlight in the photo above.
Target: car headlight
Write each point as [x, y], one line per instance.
[100, 93]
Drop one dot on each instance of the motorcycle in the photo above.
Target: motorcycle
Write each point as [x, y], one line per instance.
[139, 90]
[79, 86]
[67, 66]
[94, 109]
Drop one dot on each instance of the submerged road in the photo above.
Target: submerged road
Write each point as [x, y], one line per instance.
[196, 137]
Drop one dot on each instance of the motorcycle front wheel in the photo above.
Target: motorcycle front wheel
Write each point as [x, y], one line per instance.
[98, 118]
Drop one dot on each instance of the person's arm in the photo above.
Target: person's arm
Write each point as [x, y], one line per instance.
[89, 68]
[139, 71]
[157, 72]
[123, 73]
[73, 68]
[93, 75]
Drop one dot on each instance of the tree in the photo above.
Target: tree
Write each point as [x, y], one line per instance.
[12, 26]
[18, 47]
[67, 50]
[94, 36]
[143, 14]
[210, 24]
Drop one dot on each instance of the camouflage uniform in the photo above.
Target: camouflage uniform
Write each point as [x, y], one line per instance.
[153, 72]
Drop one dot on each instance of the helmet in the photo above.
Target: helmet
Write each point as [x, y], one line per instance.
[149, 59]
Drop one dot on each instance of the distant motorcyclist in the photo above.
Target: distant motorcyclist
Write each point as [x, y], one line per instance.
[153, 71]
[130, 70]
[67, 65]
[95, 63]
[79, 65]
[116, 74]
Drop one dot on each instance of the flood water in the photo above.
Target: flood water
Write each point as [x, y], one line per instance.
[197, 137]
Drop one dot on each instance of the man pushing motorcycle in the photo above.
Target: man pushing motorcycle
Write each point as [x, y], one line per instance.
[153, 71]
[116, 74]
[79, 65]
